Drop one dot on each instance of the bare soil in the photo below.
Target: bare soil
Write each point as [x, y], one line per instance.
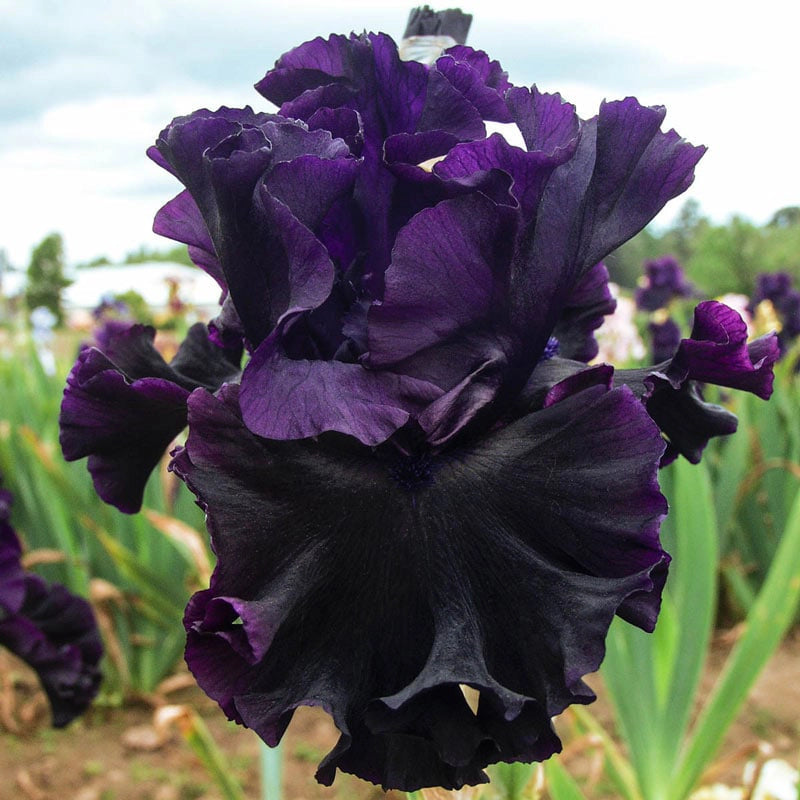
[115, 754]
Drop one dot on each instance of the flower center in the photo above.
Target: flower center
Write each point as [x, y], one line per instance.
[413, 471]
[550, 350]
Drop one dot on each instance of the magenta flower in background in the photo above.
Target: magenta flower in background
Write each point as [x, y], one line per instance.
[53, 631]
[416, 482]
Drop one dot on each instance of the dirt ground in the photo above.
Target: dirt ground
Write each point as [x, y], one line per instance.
[114, 754]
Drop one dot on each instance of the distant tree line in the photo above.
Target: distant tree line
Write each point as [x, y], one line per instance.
[718, 258]
[177, 255]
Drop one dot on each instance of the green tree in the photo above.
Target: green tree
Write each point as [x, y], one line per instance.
[786, 217]
[46, 280]
[728, 257]
[178, 254]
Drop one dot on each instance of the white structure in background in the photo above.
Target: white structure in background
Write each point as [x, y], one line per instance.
[150, 279]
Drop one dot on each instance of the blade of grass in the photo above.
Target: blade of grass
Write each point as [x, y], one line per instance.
[617, 766]
[652, 678]
[692, 592]
[560, 785]
[766, 624]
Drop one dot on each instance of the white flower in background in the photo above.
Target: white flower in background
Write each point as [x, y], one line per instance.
[618, 336]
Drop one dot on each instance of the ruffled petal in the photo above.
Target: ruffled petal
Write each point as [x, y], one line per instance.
[55, 633]
[123, 406]
[180, 219]
[529, 171]
[52, 630]
[622, 173]
[638, 169]
[481, 81]
[546, 122]
[449, 273]
[286, 398]
[591, 300]
[261, 184]
[718, 352]
[124, 427]
[372, 585]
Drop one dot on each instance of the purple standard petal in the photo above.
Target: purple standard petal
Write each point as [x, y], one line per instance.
[372, 585]
[181, 220]
[392, 97]
[272, 260]
[483, 82]
[286, 398]
[449, 273]
[343, 123]
[363, 73]
[547, 123]
[124, 406]
[591, 300]
[622, 173]
[52, 630]
[718, 353]
[638, 169]
[529, 171]
[261, 183]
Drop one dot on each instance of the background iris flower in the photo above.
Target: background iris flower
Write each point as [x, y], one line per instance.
[49, 628]
[417, 482]
[664, 281]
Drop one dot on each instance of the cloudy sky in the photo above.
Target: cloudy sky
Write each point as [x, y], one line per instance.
[88, 84]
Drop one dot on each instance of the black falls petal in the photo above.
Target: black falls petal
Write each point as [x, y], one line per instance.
[339, 586]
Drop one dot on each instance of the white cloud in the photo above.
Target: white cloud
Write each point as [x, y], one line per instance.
[90, 85]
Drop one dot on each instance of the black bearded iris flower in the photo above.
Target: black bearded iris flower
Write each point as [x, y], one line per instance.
[49, 628]
[417, 482]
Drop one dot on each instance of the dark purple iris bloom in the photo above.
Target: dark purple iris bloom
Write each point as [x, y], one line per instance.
[665, 280]
[664, 339]
[47, 627]
[110, 308]
[124, 405]
[777, 287]
[417, 482]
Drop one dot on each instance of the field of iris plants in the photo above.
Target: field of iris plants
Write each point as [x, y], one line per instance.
[733, 531]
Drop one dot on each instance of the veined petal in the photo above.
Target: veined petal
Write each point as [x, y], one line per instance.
[449, 273]
[424, 556]
[591, 300]
[52, 630]
[181, 220]
[547, 123]
[124, 427]
[482, 82]
[717, 353]
[286, 398]
[123, 406]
